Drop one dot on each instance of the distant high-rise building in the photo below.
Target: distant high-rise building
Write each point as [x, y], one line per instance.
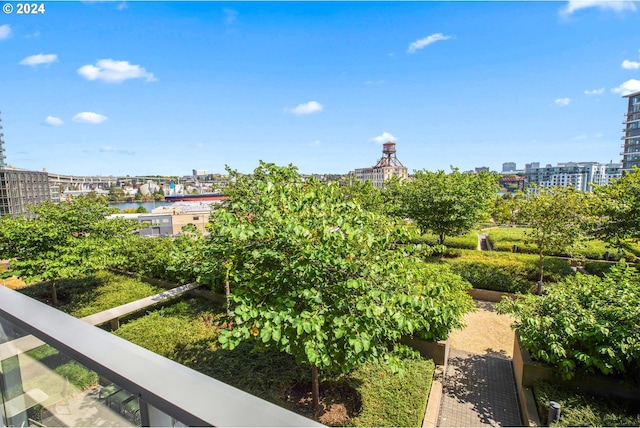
[20, 188]
[508, 167]
[388, 166]
[631, 137]
[531, 165]
[480, 169]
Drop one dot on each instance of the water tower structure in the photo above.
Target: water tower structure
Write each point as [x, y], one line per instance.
[389, 156]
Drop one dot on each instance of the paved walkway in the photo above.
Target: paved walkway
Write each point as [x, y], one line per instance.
[479, 388]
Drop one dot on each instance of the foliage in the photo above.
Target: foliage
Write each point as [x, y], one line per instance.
[514, 273]
[467, 242]
[505, 208]
[448, 204]
[503, 239]
[116, 194]
[64, 240]
[92, 294]
[320, 278]
[186, 331]
[598, 268]
[579, 409]
[617, 209]
[364, 194]
[391, 399]
[141, 209]
[583, 323]
[556, 220]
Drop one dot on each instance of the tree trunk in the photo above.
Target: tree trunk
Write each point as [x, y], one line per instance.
[541, 273]
[315, 390]
[442, 239]
[227, 291]
[54, 293]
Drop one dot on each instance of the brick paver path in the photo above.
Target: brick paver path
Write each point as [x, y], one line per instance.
[478, 390]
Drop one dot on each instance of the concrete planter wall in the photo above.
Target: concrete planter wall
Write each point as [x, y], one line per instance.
[438, 351]
[489, 295]
[527, 372]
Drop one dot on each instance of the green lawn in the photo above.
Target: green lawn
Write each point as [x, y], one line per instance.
[186, 331]
[579, 409]
[468, 241]
[503, 239]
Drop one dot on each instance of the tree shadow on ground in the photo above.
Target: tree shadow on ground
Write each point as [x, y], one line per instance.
[486, 384]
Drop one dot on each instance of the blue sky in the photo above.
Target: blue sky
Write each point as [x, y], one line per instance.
[166, 87]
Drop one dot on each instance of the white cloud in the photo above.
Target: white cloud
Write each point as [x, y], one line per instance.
[374, 82]
[562, 101]
[306, 108]
[384, 137]
[231, 16]
[315, 143]
[580, 137]
[5, 32]
[617, 6]
[421, 43]
[110, 71]
[116, 150]
[53, 121]
[122, 6]
[628, 87]
[630, 65]
[594, 91]
[89, 117]
[34, 60]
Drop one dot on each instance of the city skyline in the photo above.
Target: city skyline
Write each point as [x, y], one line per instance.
[116, 88]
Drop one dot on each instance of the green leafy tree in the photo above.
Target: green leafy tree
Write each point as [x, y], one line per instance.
[141, 209]
[556, 218]
[369, 197]
[65, 240]
[616, 207]
[505, 208]
[116, 194]
[583, 323]
[448, 204]
[320, 278]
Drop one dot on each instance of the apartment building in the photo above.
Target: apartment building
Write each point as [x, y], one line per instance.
[631, 146]
[580, 175]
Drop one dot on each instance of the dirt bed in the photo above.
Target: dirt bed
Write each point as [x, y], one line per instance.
[487, 332]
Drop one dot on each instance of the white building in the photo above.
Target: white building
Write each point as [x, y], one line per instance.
[580, 175]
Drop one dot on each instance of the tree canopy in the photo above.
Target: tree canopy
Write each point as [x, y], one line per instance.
[320, 278]
[617, 209]
[557, 220]
[64, 240]
[448, 204]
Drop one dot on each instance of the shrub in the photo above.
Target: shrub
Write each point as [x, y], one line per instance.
[583, 323]
[468, 241]
[598, 268]
[503, 239]
[514, 273]
[579, 409]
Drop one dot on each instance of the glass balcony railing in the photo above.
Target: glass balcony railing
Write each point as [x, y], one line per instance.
[56, 370]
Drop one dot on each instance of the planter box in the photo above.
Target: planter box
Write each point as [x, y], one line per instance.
[489, 295]
[438, 351]
[527, 372]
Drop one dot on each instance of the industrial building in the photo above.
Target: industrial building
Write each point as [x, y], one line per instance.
[387, 167]
[20, 188]
[631, 137]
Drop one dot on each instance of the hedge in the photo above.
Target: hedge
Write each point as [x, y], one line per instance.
[514, 273]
